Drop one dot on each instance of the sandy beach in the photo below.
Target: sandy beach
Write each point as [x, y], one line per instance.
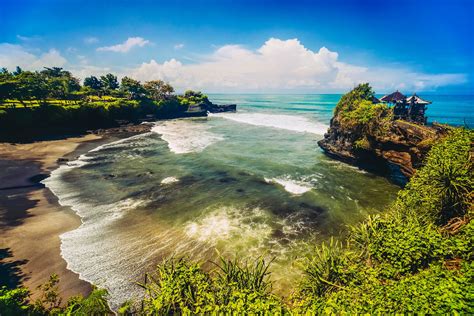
[31, 219]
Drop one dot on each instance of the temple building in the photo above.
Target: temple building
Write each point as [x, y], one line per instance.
[410, 109]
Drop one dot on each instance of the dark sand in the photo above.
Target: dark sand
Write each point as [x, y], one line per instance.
[31, 219]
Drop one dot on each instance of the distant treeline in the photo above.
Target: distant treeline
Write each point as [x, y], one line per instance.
[38, 103]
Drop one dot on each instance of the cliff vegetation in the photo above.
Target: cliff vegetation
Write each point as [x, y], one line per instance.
[53, 101]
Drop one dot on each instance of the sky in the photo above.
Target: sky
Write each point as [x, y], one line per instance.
[249, 46]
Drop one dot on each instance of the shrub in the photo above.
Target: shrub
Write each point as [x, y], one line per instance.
[14, 302]
[182, 287]
[94, 304]
[178, 287]
[400, 245]
[444, 187]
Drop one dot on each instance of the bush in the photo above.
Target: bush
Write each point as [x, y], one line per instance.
[433, 291]
[399, 245]
[443, 189]
[94, 304]
[178, 287]
[182, 287]
[14, 302]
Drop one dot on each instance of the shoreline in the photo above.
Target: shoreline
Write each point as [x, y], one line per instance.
[31, 219]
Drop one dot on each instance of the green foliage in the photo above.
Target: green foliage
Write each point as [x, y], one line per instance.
[181, 287]
[191, 97]
[240, 276]
[362, 143]
[49, 302]
[158, 90]
[363, 112]
[14, 302]
[435, 290]
[132, 88]
[400, 245]
[178, 287]
[93, 83]
[357, 113]
[53, 101]
[327, 270]
[362, 92]
[109, 82]
[94, 304]
[443, 189]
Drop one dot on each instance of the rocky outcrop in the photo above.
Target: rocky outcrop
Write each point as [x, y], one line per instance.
[218, 108]
[397, 152]
[208, 107]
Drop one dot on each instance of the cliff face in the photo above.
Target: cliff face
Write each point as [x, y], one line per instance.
[394, 148]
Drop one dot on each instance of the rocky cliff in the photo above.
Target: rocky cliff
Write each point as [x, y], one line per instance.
[365, 134]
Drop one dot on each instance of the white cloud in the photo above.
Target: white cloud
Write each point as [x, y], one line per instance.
[125, 46]
[278, 65]
[27, 38]
[91, 40]
[179, 46]
[284, 65]
[15, 55]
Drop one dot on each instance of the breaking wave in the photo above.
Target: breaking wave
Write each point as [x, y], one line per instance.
[291, 186]
[186, 136]
[292, 123]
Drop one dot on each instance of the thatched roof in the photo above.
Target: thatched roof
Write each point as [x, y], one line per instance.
[417, 100]
[393, 97]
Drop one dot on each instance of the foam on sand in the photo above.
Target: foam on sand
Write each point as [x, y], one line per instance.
[292, 123]
[186, 136]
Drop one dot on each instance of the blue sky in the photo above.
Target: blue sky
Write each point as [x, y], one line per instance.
[250, 46]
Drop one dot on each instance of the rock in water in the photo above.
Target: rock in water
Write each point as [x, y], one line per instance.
[377, 142]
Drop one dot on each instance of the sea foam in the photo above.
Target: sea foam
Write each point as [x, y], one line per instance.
[292, 123]
[186, 136]
[169, 180]
[291, 186]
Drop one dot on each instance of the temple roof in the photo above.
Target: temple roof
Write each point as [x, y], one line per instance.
[393, 97]
[417, 100]
[375, 100]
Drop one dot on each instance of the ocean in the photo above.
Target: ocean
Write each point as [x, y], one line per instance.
[248, 184]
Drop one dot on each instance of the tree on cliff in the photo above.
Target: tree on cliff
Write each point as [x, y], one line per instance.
[132, 88]
[93, 83]
[109, 82]
[158, 89]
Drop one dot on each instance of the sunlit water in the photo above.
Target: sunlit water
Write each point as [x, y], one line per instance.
[246, 184]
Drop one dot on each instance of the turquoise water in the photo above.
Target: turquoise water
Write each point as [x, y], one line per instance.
[246, 184]
[448, 109]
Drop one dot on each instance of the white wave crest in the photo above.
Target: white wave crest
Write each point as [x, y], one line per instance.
[186, 136]
[291, 186]
[292, 123]
[242, 226]
[169, 180]
[119, 143]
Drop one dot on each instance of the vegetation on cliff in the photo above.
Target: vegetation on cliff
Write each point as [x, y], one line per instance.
[417, 257]
[54, 101]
